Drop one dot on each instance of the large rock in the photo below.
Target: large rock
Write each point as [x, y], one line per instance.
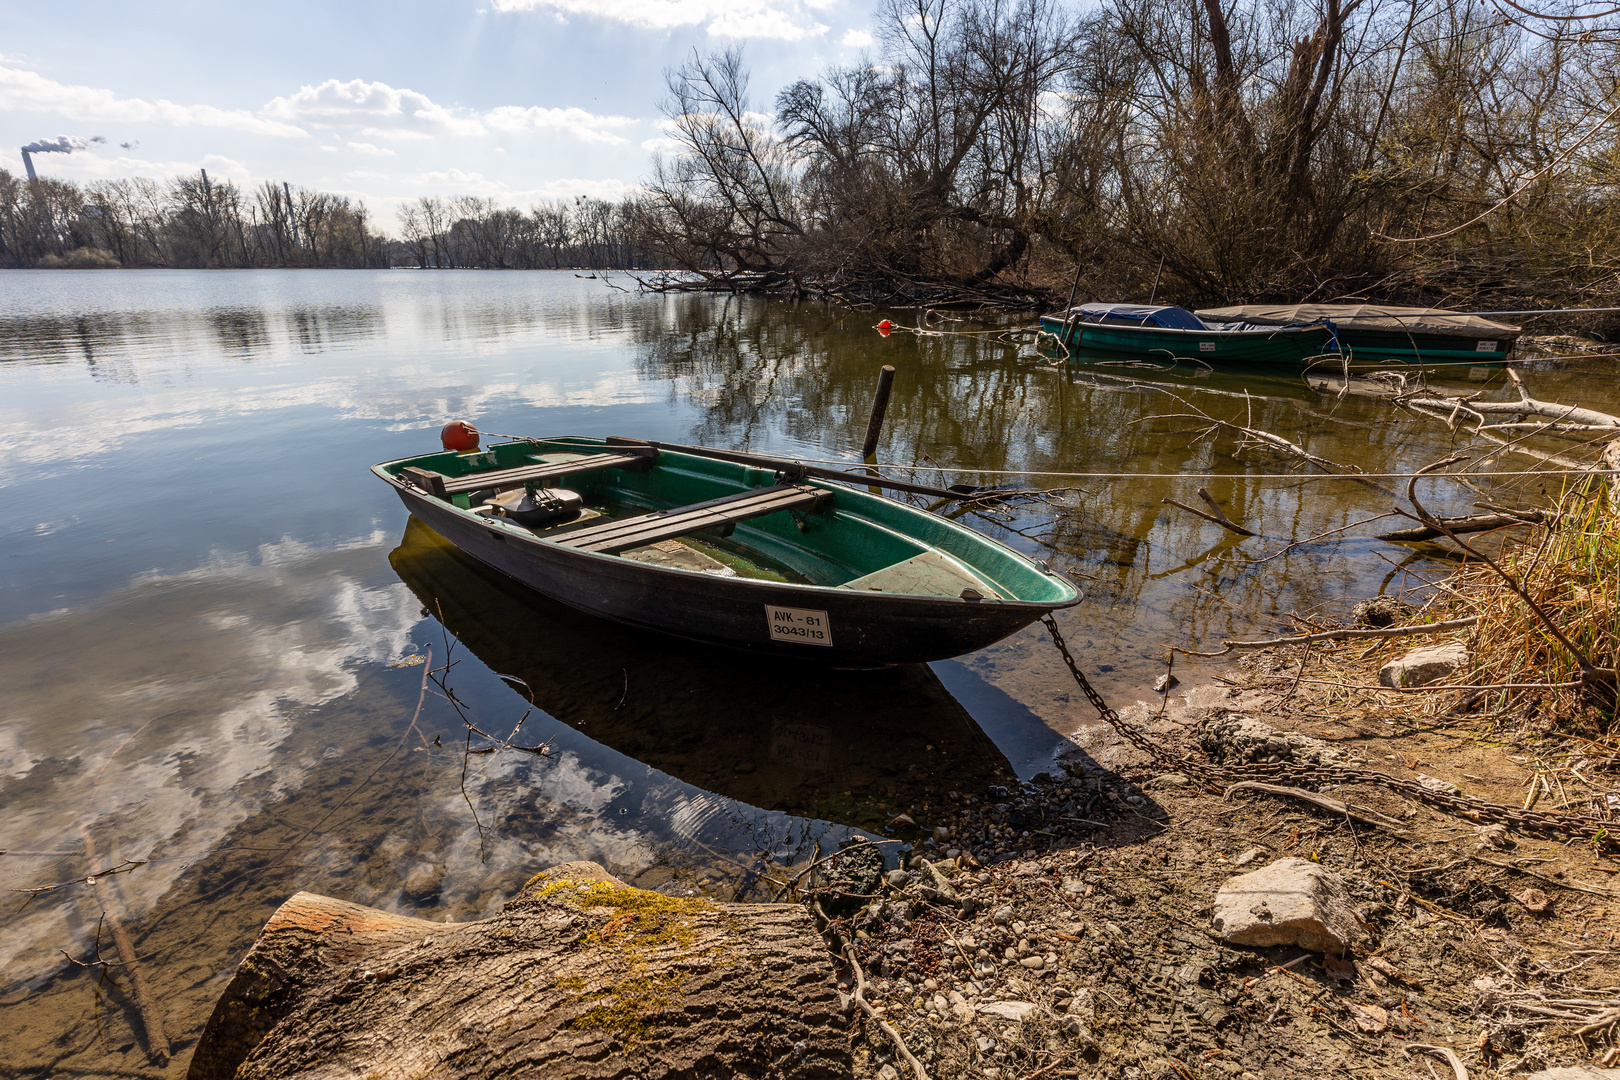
[1290, 901]
[1423, 666]
[1578, 1072]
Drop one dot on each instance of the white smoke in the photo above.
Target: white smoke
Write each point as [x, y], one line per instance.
[62, 144]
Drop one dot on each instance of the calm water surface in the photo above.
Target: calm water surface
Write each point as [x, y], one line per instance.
[208, 605]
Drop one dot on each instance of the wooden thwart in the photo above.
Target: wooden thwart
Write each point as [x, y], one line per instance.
[626, 533]
[445, 486]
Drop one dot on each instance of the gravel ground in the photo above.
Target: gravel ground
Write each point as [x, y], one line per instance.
[1063, 929]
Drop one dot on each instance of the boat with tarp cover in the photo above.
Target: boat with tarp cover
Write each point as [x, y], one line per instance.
[1384, 332]
[1160, 333]
[740, 550]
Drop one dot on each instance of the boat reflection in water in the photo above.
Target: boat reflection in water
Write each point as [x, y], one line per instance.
[851, 747]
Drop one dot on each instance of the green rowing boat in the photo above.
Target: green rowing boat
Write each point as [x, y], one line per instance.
[755, 553]
[1172, 333]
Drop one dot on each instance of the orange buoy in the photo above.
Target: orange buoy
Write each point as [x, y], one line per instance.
[460, 436]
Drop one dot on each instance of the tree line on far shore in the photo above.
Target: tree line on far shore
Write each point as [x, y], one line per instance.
[189, 221]
[200, 222]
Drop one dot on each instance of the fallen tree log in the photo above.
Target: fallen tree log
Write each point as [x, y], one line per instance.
[580, 976]
[1473, 524]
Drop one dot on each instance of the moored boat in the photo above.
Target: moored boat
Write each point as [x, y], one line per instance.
[1176, 333]
[1384, 332]
[753, 553]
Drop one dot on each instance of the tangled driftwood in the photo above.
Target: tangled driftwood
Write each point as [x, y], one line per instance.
[580, 976]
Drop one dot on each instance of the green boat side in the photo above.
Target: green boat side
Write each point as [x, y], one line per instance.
[1424, 348]
[1283, 345]
[863, 535]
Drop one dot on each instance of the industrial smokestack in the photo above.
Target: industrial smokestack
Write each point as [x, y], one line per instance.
[62, 144]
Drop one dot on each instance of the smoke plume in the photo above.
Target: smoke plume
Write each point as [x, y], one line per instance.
[62, 144]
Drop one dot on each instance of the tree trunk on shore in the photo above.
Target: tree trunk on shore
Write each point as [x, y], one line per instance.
[579, 976]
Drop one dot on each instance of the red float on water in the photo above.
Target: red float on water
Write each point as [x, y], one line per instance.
[460, 436]
[885, 325]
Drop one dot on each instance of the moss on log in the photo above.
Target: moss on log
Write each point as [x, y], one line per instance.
[579, 976]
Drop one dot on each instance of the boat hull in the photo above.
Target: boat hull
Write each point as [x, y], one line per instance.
[866, 629]
[1424, 348]
[1284, 345]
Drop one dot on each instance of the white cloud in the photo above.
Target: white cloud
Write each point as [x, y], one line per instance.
[396, 113]
[29, 90]
[725, 18]
[371, 148]
[588, 127]
[856, 39]
[374, 103]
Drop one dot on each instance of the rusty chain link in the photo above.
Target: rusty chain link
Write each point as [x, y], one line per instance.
[1589, 828]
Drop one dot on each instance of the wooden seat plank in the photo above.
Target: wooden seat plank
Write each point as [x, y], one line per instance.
[525, 474]
[615, 536]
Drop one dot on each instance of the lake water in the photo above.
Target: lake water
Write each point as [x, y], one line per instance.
[209, 607]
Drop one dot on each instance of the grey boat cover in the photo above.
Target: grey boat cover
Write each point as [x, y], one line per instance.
[1418, 320]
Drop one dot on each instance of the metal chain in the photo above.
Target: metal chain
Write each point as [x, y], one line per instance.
[1589, 828]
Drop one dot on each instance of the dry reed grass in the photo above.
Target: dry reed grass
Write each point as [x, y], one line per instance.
[1570, 568]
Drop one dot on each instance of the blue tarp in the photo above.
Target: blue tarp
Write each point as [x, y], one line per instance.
[1171, 318]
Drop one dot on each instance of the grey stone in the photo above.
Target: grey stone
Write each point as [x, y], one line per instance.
[1423, 666]
[888, 1072]
[899, 878]
[1003, 915]
[1008, 1010]
[1076, 1029]
[1169, 779]
[1248, 857]
[1083, 1006]
[1576, 1072]
[1237, 739]
[1290, 901]
[1379, 612]
[423, 880]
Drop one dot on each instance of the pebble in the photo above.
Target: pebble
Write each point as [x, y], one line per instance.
[1248, 857]
[888, 1072]
[1003, 915]
[899, 879]
[1034, 963]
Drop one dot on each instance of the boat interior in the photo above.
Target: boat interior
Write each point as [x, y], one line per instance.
[705, 515]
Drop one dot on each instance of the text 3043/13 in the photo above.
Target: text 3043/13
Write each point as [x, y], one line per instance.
[800, 625]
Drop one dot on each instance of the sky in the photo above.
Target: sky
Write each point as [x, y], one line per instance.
[518, 100]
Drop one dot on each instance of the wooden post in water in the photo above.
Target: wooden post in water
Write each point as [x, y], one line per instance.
[874, 426]
[880, 406]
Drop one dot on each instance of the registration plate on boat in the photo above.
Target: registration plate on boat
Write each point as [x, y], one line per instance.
[799, 625]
